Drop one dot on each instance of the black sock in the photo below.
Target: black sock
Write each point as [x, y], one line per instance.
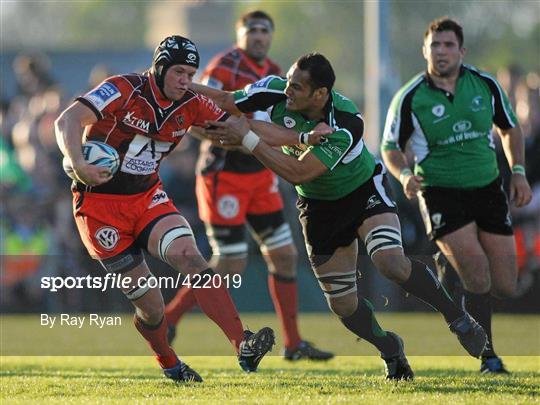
[423, 284]
[364, 325]
[479, 306]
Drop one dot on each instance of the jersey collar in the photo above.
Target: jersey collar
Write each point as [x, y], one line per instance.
[432, 84]
[329, 109]
[160, 99]
[260, 70]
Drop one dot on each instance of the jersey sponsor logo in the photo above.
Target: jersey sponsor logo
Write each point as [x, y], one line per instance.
[462, 126]
[263, 82]
[107, 237]
[176, 134]
[135, 122]
[289, 122]
[329, 149]
[159, 197]
[464, 136]
[143, 155]
[180, 119]
[372, 202]
[209, 103]
[228, 206]
[438, 110]
[477, 104]
[102, 96]
[296, 150]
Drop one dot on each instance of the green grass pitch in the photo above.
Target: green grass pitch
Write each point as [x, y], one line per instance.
[80, 369]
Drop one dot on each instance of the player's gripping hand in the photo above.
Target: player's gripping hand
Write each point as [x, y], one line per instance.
[230, 132]
[317, 135]
[520, 191]
[92, 175]
[411, 185]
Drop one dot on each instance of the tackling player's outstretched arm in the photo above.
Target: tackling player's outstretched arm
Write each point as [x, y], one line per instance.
[69, 138]
[224, 99]
[275, 135]
[300, 171]
[236, 131]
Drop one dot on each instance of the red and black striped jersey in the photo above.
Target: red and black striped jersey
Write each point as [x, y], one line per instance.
[232, 70]
[142, 125]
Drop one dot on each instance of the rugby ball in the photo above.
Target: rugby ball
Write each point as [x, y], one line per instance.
[98, 154]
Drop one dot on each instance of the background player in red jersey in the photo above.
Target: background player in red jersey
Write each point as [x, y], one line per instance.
[234, 188]
[144, 117]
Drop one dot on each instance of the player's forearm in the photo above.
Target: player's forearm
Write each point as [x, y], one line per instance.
[274, 135]
[224, 99]
[395, 161]
[285, 166]
[69, 138]
[513, 146]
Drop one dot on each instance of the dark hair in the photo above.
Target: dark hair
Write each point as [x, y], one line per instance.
[320, 70]
[445, 24]
[250, 15]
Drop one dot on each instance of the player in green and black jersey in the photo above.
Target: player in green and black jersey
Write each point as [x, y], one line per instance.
[342, 196]
[445, 116]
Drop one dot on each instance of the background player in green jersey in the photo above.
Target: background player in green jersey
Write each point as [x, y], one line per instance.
[445, 116]
[342, 196]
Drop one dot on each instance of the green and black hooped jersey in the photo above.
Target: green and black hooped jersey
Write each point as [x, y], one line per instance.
[349, 162]
[450, 135]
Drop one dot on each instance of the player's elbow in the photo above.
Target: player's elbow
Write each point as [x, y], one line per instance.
[60, 122]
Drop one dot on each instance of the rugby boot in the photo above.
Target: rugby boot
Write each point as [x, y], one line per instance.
[396, 366]
[493, 365]
[254, 347]
[470, 334]
[182, 373]
[306, 350]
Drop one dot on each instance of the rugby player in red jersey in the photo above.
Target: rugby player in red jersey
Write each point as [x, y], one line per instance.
[235, 189]
[144, 116]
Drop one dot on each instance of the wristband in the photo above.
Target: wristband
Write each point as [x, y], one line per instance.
[250, 140]
[518, 169]
[404, 173]
[303, 138]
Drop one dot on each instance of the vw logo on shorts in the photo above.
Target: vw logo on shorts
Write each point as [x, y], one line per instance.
[462, 126]
[107, 237]
[228, 206]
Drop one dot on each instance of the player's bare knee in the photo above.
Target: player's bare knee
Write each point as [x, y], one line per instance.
[383, 244]
[339, 288]
[343, 306]
[478, 284]
[282, 262]
[189, 261]
[151, 314]
[177, 248]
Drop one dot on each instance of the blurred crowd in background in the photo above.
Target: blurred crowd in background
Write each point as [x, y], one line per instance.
[38, 235]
